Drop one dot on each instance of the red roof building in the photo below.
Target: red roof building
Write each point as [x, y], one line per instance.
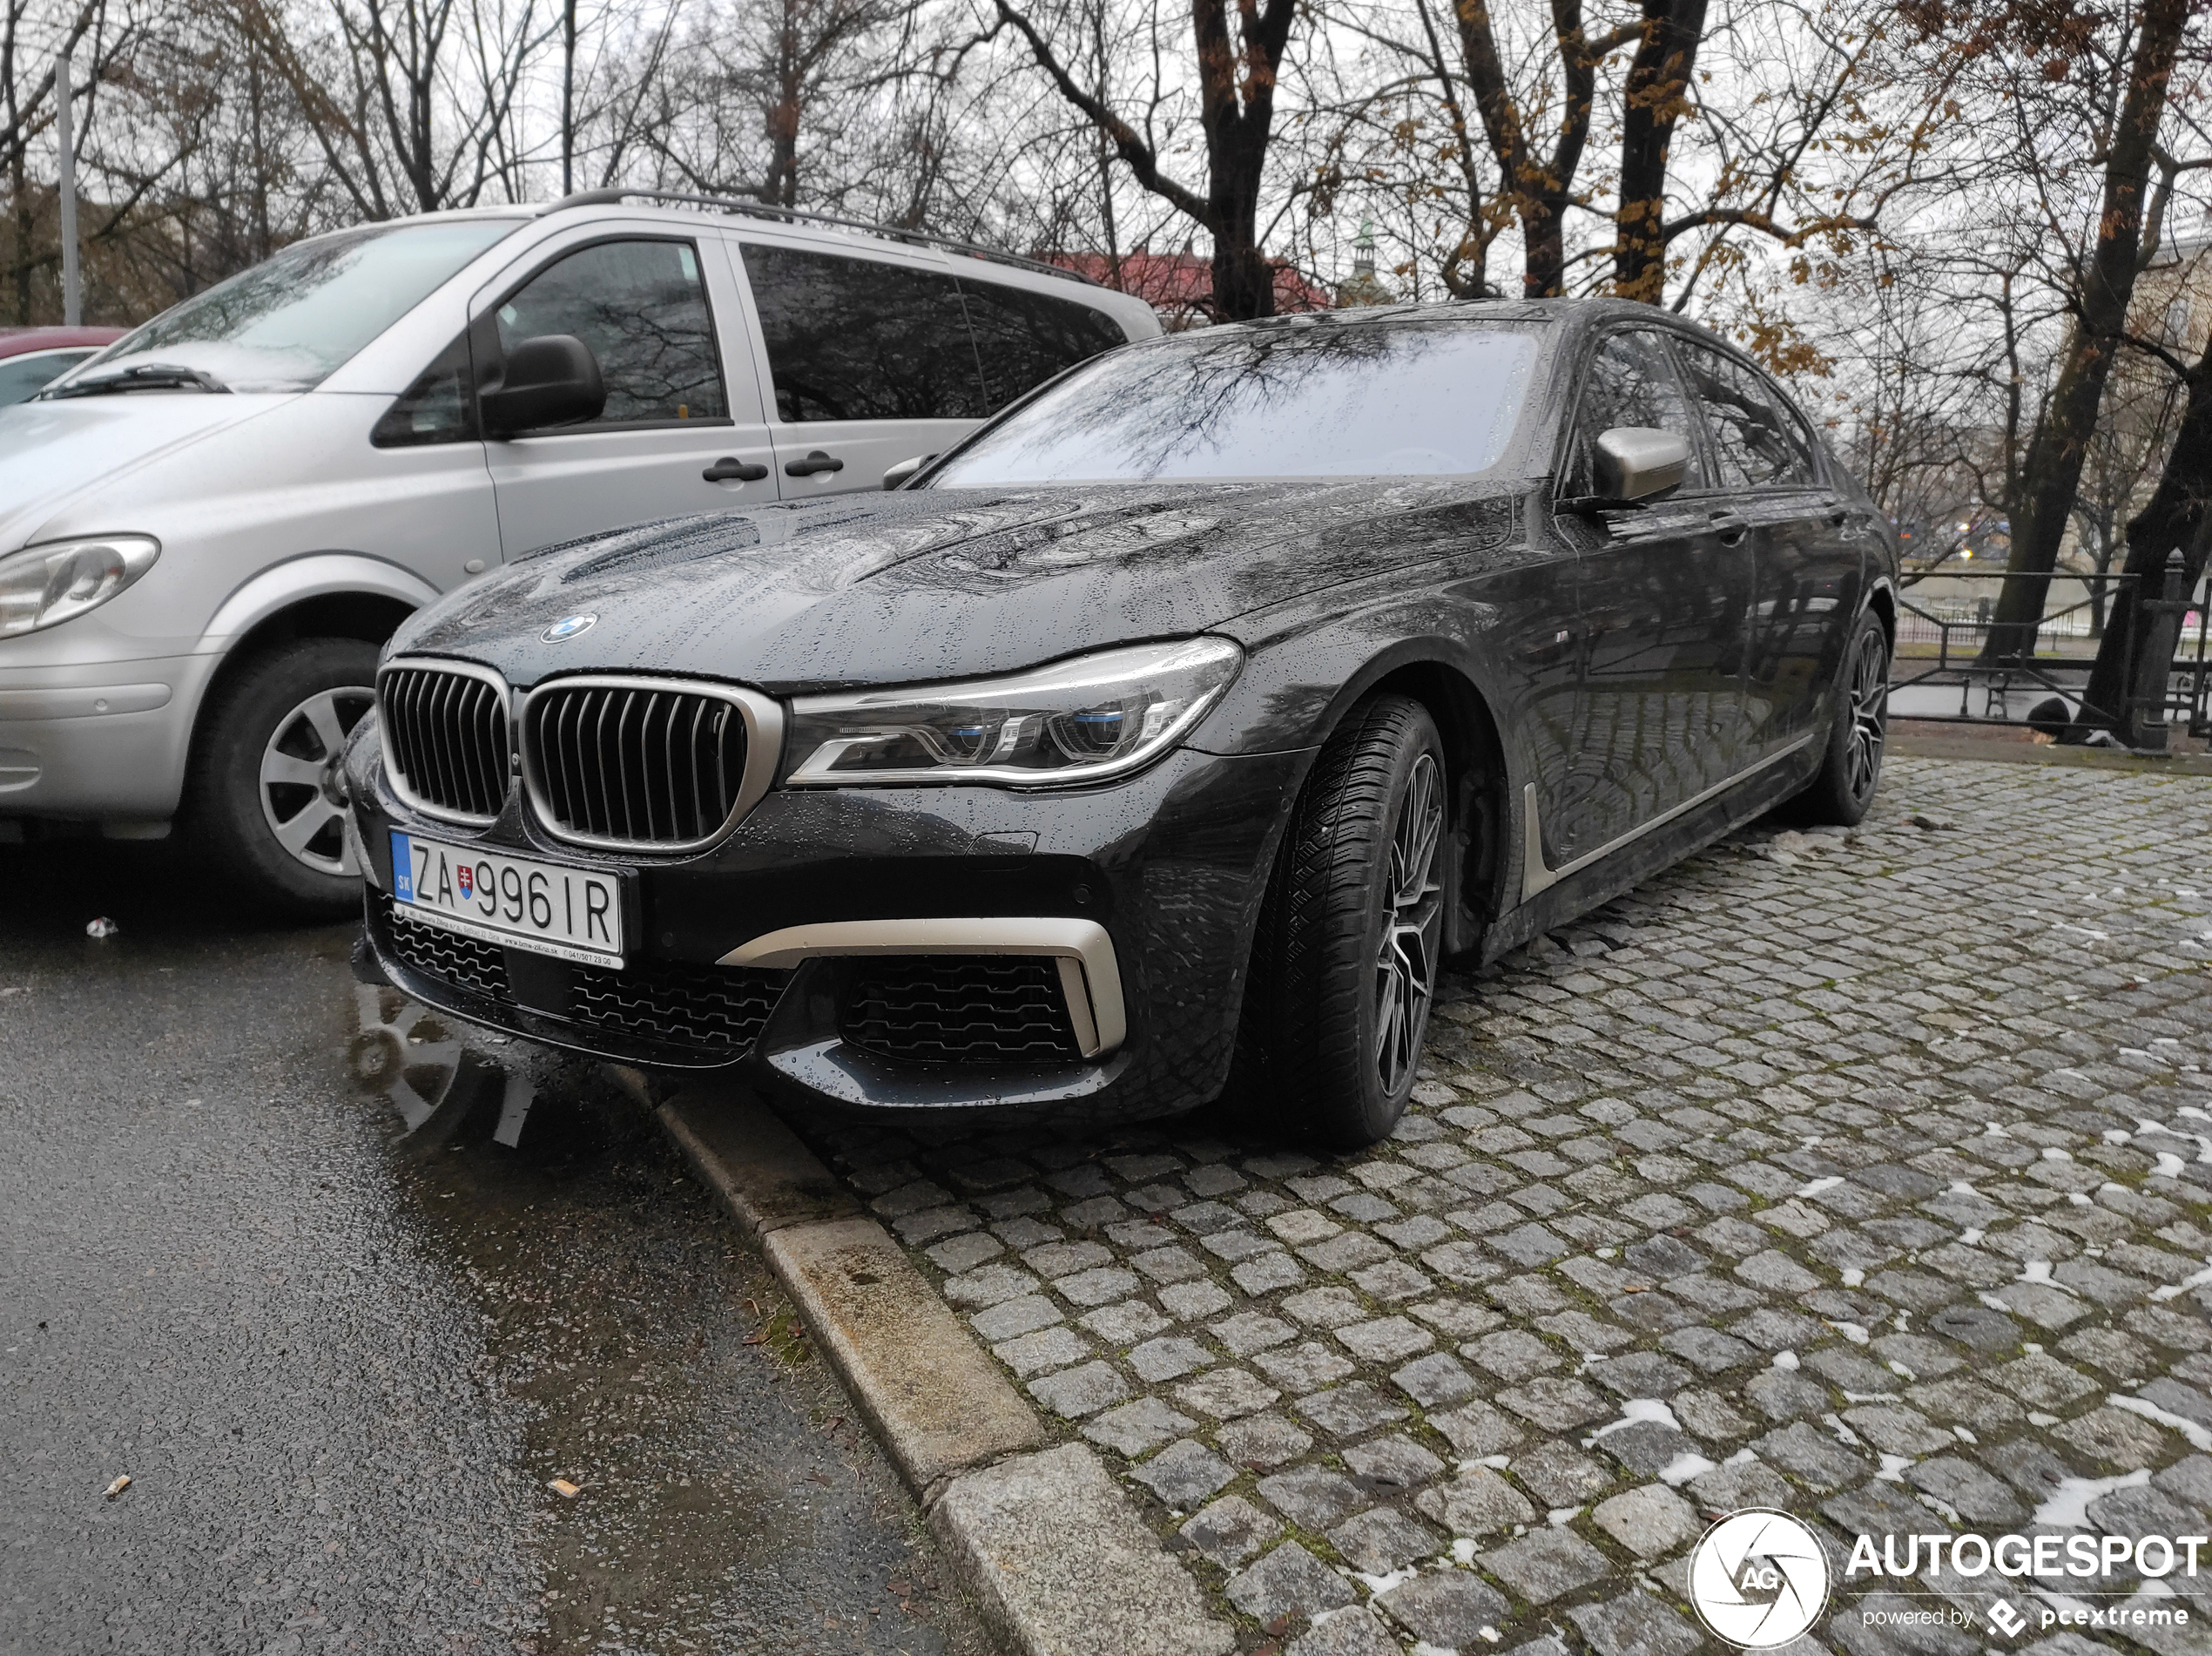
[1180, 285]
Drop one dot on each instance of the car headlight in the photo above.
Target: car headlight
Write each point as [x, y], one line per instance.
[1085, 719]
[43, 586]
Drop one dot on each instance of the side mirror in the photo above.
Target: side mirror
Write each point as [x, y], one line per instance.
[897, 476]
[552, 380]
[1635, 462]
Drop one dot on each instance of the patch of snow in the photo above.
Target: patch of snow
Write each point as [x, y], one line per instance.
[2068, 1506]
[2195, 1432]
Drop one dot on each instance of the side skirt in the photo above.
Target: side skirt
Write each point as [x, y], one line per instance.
[1589, 881]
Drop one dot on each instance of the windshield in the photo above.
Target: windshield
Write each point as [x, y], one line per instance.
[287, 323]
[1321, 400]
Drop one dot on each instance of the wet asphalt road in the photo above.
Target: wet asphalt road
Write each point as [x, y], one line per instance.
[340, 1365]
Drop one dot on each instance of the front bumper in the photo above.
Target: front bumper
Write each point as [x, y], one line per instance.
[1131, 905]
[104, 741]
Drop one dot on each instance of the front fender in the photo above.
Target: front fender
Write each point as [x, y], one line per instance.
[311, 575]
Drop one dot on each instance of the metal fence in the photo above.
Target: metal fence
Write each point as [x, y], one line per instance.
[1952, 682]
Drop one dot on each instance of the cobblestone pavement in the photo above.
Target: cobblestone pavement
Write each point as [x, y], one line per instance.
[1860, 1175]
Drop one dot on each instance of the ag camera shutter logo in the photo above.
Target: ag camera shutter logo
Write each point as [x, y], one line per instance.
[1759, 1579]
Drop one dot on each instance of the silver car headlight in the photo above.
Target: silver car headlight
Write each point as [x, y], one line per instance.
[43, 586]
[1086, 720]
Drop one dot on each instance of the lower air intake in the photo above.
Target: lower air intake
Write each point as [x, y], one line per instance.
[466, 963]
[711, 1009]
[954, 1009]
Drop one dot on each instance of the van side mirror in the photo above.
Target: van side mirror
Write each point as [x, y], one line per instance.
[897, 476]
[1636, 462]
[550, 381]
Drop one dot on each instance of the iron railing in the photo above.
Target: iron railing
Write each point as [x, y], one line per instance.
[2068, 638]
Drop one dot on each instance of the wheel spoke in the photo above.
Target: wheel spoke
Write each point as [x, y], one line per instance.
[321, 712]
[279, 768]
[294, 832]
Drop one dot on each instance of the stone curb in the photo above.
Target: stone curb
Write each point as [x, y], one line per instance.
[1046, 1540]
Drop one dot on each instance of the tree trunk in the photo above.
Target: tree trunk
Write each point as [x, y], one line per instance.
[2051, 475]
[1653, 100]
[2174, 518]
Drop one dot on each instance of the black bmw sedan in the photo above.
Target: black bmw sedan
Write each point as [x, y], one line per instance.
[1160, 741]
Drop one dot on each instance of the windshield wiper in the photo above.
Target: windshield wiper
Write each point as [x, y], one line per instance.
[146, 376]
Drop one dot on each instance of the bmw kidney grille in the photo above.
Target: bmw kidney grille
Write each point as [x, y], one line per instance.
[446, 741]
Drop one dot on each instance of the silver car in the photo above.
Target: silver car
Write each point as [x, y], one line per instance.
[207, 530]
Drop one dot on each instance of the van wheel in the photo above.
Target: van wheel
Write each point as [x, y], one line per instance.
[1844, 790]
[1350, 933]
[264, 797]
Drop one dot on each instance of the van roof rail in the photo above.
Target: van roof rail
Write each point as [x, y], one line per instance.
[763, 210]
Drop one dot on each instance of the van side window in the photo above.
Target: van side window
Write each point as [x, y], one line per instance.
[1757, 440]
[437, 407]
[641, 307]
[860, 339]
[1632, 382]
[1026, 338]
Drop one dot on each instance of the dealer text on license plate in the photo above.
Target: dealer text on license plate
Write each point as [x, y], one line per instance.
[572, 913]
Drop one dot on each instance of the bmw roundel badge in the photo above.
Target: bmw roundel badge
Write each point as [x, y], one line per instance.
[567, 627]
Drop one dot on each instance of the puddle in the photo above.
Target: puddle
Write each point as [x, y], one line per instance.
[726, 1497]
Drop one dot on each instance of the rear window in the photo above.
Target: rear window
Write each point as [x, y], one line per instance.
[1023, 338]
[1321, 400]
[862, 339]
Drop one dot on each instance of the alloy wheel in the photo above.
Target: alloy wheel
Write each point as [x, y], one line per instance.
[303, 797]
[1413, 924]
[1870, 696]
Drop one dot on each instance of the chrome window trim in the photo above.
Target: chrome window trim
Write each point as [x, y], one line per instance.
[1091, 977]
[491, 676]
[764, 735]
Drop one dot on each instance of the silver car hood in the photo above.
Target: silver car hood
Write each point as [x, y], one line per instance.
[52, 454]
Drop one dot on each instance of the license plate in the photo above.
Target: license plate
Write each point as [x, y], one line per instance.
[571, 914]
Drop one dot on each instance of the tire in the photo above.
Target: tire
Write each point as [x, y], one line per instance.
[1844, 790]
[263, 763]
[1350, 930]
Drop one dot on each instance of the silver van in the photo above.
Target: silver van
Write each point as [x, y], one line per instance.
[207, 529]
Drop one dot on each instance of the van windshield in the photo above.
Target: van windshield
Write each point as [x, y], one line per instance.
[1328, 399]
[290, 321]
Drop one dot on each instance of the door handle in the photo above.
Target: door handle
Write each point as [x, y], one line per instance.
[813, 462]
[730, 468]
[1730, 528]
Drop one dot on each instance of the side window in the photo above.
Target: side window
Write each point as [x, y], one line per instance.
[1024, 339]
[1632, 382]
[1757, 442]
[860, 339]
[641, 307]
[438, 408]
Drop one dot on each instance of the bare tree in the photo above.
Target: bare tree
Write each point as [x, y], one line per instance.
[1236, 68]
[2103, 285]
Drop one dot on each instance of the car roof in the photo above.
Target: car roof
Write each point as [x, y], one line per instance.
[21, 341]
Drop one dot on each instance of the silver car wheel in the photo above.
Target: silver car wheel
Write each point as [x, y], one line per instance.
[303, 797]
[1869, 696]
[1412, 922]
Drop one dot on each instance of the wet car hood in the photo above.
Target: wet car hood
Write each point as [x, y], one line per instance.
[891, 588]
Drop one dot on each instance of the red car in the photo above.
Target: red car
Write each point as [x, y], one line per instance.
[33, 358]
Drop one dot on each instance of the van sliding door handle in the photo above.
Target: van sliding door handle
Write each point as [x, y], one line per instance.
[730, 468]
[813, 462]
